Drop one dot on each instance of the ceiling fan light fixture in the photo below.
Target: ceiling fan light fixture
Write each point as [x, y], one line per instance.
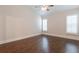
[44, 8]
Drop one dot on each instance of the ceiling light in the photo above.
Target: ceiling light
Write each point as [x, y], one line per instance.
[44, 8]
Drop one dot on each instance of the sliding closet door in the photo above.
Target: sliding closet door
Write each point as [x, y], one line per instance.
[2, 29]
[15, 28]
[10, 27]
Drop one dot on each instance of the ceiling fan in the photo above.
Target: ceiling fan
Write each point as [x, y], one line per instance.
[45, 7]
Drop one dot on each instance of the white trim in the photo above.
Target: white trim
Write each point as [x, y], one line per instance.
[62, 36]
[72, 34]
[20, 38]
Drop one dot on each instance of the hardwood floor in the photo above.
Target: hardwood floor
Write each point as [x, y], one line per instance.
[41, 44]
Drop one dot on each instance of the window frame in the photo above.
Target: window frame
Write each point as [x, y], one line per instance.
[73, 33]
[42, 25]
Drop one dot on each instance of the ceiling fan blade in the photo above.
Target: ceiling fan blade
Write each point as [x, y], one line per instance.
[51, 5]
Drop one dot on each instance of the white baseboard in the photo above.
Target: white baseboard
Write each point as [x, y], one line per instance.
[62, 36]
[20, 38]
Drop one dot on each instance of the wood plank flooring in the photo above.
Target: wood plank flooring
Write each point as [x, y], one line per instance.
[41, 44]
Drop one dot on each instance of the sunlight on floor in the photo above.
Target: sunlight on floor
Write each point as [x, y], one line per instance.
[71, 48]
[45, 44]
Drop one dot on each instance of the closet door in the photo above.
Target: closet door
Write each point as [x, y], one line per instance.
[2, 29]
[10, 28]
[14, 28]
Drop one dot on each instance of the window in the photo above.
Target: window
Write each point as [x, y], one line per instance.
[72, 26]
[44, 25]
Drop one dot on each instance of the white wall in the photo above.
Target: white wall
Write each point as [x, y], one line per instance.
[20, 22]
[57, 24]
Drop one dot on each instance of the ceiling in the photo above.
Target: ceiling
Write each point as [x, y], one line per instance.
[55, 8]
[64, 7]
